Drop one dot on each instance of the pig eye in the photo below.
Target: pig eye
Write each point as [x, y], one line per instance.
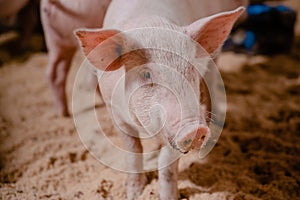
[147, 75]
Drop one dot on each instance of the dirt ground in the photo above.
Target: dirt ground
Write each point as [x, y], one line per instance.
[256, 158]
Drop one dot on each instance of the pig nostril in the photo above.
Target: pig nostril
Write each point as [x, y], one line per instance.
[192, 140]
[187, 142]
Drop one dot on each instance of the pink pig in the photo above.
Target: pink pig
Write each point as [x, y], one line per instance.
[59, 19]
[153, 90]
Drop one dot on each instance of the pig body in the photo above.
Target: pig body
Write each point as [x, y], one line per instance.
[153, 90]
[59, 19]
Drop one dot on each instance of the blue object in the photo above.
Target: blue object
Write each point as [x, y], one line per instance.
[250, 40]
[258, 9]
[282, 8]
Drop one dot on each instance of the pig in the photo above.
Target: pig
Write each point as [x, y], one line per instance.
[90, 13]
[59, 19]
[149, 89]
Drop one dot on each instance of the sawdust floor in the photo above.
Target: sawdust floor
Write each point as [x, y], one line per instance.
[257, 156]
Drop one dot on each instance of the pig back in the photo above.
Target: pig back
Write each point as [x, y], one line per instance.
[62, 17]
[121, 11]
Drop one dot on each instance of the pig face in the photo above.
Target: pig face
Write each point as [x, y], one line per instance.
[164, 98]
[166, 101]
[164, 66]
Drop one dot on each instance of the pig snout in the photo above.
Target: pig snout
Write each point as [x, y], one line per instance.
[192, 139]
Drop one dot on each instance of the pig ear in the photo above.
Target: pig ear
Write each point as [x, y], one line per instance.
[211, 32]
[102, 48]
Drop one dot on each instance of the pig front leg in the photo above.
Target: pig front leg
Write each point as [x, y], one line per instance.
[57, 71]
[168, 175]
[135, 182]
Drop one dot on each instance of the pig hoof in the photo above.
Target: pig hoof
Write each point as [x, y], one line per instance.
[135, 184]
